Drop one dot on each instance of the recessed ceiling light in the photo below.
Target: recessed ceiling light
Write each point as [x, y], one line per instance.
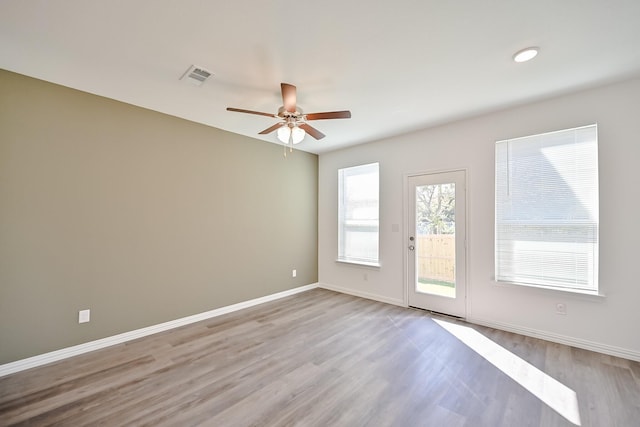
[526, 54]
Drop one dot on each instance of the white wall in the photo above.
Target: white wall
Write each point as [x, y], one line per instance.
[608, 324]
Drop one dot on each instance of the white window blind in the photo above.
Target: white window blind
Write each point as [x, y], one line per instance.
[358, 193]
[547, 210]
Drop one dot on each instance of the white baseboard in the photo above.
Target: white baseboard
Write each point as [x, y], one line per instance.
[53, 356]
[560, 339]
[43, 359]
[361, 294]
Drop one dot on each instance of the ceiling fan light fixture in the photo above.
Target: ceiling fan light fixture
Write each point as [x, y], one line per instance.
[283, 134]
[291, 133]
[297, 134]
[525, 55]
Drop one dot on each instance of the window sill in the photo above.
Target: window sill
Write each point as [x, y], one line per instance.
[359, 263]
[587, 293]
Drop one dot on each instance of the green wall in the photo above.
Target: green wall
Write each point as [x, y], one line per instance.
[139, 216]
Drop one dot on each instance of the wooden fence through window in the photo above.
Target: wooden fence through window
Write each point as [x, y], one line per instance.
[436, 257]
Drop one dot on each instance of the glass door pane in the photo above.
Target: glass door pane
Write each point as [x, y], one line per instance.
[436, 239]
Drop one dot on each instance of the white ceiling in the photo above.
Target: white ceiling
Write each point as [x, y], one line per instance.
[397, 65]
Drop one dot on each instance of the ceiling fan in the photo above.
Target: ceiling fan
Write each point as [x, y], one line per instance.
[293, 122]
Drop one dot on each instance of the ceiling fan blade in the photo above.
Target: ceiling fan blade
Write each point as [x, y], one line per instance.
[288, 97]
[329, 115]
[271, 128]
[240, 110]
[312, 131]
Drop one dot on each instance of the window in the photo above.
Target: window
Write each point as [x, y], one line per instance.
[358, 214]
[547, 210]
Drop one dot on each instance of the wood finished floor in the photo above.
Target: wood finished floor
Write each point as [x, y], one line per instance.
[318, 358]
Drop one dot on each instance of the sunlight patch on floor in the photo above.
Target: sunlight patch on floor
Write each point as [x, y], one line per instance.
[553, 393]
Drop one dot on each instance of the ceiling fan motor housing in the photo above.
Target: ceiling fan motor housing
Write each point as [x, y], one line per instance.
[282, 112]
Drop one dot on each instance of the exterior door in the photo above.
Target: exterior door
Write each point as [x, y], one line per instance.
[436, 243]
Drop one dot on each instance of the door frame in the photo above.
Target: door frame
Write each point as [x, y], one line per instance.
[405, 231]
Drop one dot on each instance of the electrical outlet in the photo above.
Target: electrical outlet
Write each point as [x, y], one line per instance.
[84, 316]
[561, 308]
[294, 273]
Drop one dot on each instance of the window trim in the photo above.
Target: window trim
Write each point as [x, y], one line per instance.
[355, 261]
[360, 263]
[599, 293]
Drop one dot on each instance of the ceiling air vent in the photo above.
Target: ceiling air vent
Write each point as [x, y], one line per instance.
[196, 75]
